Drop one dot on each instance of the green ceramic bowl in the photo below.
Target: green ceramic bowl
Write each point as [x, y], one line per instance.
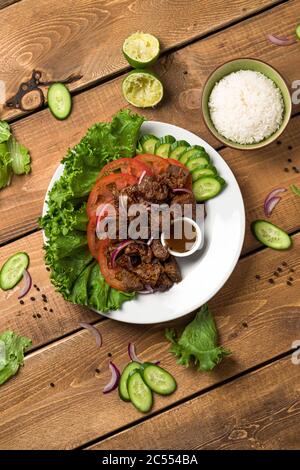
[246, 64]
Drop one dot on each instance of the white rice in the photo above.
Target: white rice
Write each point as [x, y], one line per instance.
[246, 107]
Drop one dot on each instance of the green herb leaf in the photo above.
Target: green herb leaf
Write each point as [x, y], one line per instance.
[4, 131]
[19, 156]
[198, 342]
[12, 349]
[295, 189]
[73, 271]
[5, 166]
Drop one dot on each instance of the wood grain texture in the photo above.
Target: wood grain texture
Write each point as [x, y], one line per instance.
[7, 3]
[48, 139]
[256, 412]
[256, 320]
[86, 36]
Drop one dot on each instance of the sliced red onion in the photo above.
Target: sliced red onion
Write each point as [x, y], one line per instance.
[27, 284]
[115, 377]
[101, 209]
[92, 329]
[148, 290]
[270, 205]
[280, 40]
[133, 356]
[117, 251]
[182, 190]
[149, 242]
[143, 174]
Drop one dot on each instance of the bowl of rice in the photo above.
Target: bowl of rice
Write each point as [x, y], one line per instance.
[246, 104]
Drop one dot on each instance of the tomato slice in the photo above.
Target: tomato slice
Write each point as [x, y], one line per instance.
[93, 241]
[128, 166]
[160, 165]
[107, 271]
[157, 164]
[102, 192]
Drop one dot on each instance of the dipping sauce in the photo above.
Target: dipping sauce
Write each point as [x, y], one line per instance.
[182, 236]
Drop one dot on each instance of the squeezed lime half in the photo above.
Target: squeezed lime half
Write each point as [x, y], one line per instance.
[141, 49]
[298, 31]
[142, 89]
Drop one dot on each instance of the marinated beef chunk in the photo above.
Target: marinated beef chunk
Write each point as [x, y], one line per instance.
[130, 280]
[141, 250]
[132, 194]
[149, 273]
[153, 190]
[172, 270]
[164, 283]
[178, 202]
[159, 251]
[175, 177]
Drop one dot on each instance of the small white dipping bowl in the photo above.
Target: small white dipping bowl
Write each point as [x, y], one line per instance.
[196, 244]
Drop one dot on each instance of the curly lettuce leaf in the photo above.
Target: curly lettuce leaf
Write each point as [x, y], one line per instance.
[198, 342]
[74, 273]
[5, 166]
[4, 131]
[295, 189]
[12, 349]
[20, 157]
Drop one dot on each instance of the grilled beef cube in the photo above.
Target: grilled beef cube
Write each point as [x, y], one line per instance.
[152, 190]
[175, 177]
[159, 251]
[130, 280]
[171, 268]
[164, 283]
[149, 273]
[141, 250]
[178, 202]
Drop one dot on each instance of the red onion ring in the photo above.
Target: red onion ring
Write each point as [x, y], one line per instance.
[92, 329]
[182, 190]
[115, 377]
[280, 40]
[143, 174]
[149, 242]
[117, 251]
[133, 356]
[148, 290]
[270, 205]
[27, 284]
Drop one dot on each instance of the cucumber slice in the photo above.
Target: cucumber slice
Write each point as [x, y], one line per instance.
[148, 143]
[208, 170]
[194, 162]
[207, 187]
[158, 379]
[167, 139]
[193, 152]
[139, 393]
[163, 150]
[178, 148]
[271, 235]
[123, 391]
[59, 100]
[12, 270]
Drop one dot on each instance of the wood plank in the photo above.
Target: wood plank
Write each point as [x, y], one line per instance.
[48, 139]
[261, 411]
[256, 320]
[85, 36]
[6, 3]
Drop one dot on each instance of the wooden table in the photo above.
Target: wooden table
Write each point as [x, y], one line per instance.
[252, 400]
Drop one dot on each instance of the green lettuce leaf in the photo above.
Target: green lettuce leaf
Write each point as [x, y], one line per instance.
[4, 131]
[74, 273]
[12, 349]
[5, 166]
[20, 157]
[295, 189]
[198, 342]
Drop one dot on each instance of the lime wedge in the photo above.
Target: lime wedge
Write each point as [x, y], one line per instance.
[141, 49]
[298, 31]
[142, 89]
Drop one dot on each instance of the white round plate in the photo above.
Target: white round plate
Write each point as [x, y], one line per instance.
[205, 272]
